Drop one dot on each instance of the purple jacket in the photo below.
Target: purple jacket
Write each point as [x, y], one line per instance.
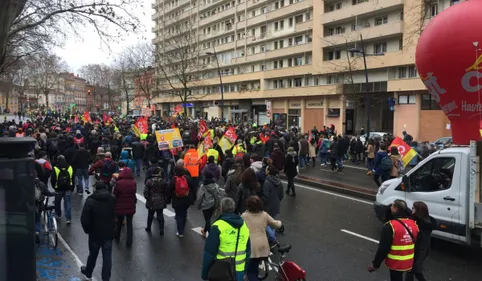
[214, 169]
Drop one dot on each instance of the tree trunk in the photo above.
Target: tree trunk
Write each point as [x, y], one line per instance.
[46, 94]
[185, 104]
[9, 10]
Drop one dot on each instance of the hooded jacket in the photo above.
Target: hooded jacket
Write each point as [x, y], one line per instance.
[214, 169]
[125, 192]
[291, 163]
[278, 158]
[81, 159]
[272, 195]
[53, 178]
[155, 193]
[378, 161]
[98, 215]
[257, 166]
[209, 195]
[182, 202]
[124, 157]
[212, 244]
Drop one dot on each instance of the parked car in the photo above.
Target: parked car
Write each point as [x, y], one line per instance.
[363, 138]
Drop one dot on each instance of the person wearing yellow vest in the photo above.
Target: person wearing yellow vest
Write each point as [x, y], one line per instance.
[214, 153]
[191, 162]
[227, 232]
[238, 149]
[62, 182]
[397, 242]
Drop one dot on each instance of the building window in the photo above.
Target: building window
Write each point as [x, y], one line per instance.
[429, 103]
[453, 2]
[275, 65]
[297, 82]
[332, 79]
[340, 30]
[407, 99]
[299, 19]
[380, 48]
[402, 72]
[308, 16]
[338, 5]
[290, 62]
[355, 2]
[331, 8]
[331, 31]
[412, 71]
[400, 44]
[381, 20]
[290, 22]
[434, 10]
[276, 45]
[298, 61]
[337, 54]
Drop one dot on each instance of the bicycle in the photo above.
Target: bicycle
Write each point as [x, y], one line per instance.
[50, 225]
[285, 270]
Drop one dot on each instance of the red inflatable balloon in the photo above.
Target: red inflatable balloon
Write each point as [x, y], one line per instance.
[449, 61]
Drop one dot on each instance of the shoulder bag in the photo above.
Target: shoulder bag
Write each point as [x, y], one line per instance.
[224, 269]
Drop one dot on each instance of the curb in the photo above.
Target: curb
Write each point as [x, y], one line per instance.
[354, 191]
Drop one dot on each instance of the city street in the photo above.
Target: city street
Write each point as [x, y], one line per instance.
[334, 237]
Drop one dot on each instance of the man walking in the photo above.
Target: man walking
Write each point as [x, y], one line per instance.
[97, 220]
[397, 243]
[61, 181]
[80, 162]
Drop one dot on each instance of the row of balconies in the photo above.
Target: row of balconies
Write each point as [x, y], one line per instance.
[366, 8]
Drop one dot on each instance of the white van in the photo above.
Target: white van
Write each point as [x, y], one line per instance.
[449, 182]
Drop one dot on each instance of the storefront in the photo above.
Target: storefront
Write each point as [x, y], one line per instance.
[294, 113]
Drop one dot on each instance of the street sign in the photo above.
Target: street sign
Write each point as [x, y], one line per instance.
[268, 113]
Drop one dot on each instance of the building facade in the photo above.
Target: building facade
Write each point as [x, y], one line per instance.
[102, 99]
[299, 62]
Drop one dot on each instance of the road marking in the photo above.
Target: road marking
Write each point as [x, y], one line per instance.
[198, 231]
[77, 260]
[359, 235]
[331, 193]
[166, 211]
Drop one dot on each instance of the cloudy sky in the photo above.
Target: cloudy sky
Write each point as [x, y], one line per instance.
[89, 49]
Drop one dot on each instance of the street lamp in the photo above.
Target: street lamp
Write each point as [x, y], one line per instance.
[367, 93]
[220, 81]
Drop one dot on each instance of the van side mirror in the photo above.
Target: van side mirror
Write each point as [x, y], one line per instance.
[405, 185]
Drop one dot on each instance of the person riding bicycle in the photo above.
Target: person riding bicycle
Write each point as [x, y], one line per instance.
[41, 191]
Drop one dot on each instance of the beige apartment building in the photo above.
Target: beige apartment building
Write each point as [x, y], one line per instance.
[291, 58]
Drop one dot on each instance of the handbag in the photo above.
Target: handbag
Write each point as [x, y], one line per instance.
[224, 269]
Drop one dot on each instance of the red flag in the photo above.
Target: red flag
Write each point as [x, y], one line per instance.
[263, 138]
[203, 128]
[141, 124]
[208, 142]
[230, 134]
[105, 118]
[405, 150]
[86, 117]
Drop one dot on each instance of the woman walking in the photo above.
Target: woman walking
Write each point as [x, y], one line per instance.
[208, 199]
[125, 192]
[312, 151]
[291, 171]
[249, 186]
[426, 225]
[370, 156]
[257, 220]
[155, 193]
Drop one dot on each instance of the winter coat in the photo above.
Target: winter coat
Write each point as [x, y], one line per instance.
[303, 147]
[155, 193]
[334, 147]
[124, 157]
[312, 150]
[125, 192]
[99, 166]
[359, 146]
[53, 178]
[324, 146]
[81, 159]
[213, 168]
[422, 246]
[257, 223]
[137, 150]
[98, 215]
[291, 164]
[295, 144]
[244, 192]
[272, 195]
[256, 166]
[230, 187]
[278, 158]
[395, 162]
[151, 153]
[69, 154]
[184, 202]
[378, 161]
[227, 164]
[209, 195]
[371, 151]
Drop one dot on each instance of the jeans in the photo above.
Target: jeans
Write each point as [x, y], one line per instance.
[82, 174]
[94, 246]
[58, 198]
[370, 164]
[271, 234]
[396, 275]
[120, 219]
[303, 161]
[207, 218]
[181, 217]
[384, 176]
[252, 270]
[37, 222]
[138, 166]
[338, 162]
[323, 158]
[160, 218]
[291, 185]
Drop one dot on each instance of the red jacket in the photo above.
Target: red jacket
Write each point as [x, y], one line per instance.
[125, 192]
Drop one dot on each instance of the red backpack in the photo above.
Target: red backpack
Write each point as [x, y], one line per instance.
[181, 188]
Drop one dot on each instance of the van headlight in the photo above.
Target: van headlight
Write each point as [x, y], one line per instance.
[383, 187]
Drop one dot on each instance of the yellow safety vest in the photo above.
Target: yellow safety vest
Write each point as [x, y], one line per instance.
[57, 172]
[227, 243]
[238, 148]
[213, 152]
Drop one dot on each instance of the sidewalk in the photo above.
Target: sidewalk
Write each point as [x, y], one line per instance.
[56, 264]
[352, 181]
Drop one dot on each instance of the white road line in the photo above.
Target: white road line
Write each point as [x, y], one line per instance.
[359, 235]
[77, 260]
[166, 212]
[198, 231]
[331, 193]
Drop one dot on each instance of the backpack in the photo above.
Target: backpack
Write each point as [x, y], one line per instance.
[63, 179]
[54, 146]
[386, 164]
[108, 168]
[39, 197]
[181, 187]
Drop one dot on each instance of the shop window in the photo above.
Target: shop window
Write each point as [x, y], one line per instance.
[407, 99]
[333, 112]
[429, 103]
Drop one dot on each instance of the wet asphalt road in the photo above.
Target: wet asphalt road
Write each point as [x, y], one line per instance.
[315, 222]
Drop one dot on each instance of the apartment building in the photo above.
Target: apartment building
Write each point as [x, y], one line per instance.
[294, 62]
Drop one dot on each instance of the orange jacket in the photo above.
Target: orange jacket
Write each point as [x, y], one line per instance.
[191, 162]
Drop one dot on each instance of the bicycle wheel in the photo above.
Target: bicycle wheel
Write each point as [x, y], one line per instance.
[262, 270]
[53, 238]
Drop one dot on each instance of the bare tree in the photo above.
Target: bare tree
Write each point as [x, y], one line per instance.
[97, 74]
[40, 23]
[178, 63]
[13, 80]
